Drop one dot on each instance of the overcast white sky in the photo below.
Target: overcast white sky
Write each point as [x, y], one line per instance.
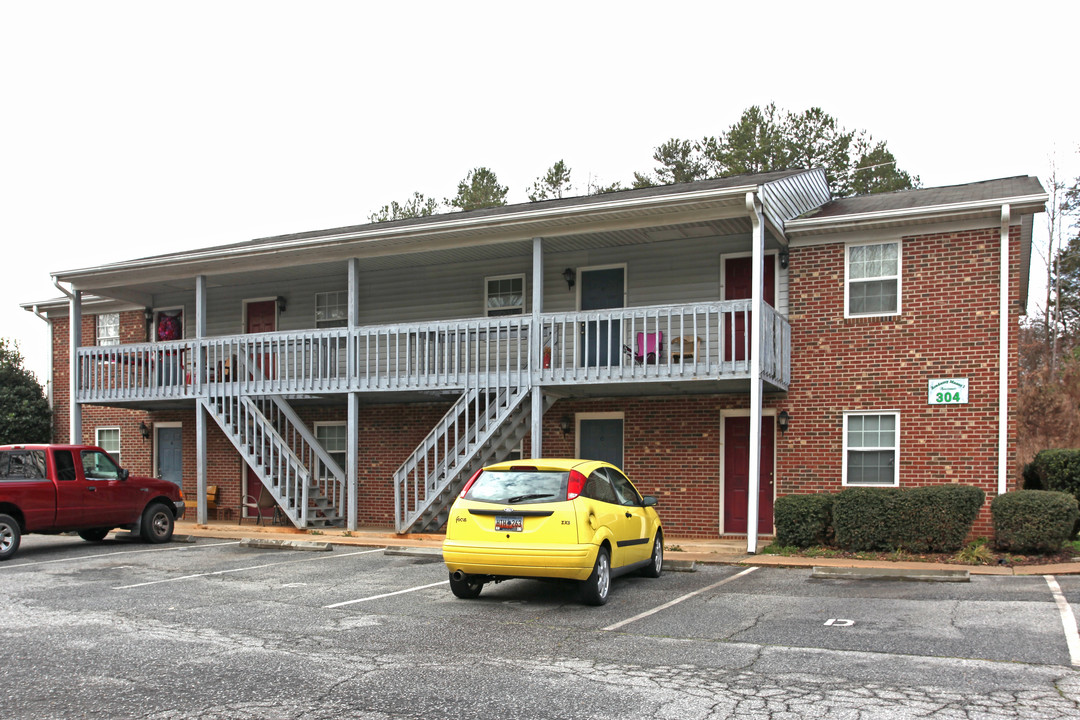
[135, 128]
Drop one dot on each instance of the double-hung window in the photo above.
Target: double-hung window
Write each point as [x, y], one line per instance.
[108, 439]
[872, 449]
[334, 439]
[331, 309]
[108, 329]
[504, 295]
[872, 283]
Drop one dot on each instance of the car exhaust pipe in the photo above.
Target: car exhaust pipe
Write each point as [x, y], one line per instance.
[458, 576]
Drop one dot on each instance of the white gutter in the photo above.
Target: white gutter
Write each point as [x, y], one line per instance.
[34, 309]
[844, 222]
[443, 225]
[1003, 355]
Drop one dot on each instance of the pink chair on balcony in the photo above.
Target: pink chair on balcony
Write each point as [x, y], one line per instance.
[647, 347]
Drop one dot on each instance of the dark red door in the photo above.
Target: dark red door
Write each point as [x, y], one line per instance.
[738, 284]
[737, 475]
[262, 318]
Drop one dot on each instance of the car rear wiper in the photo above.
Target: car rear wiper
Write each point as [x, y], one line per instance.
[534, 496]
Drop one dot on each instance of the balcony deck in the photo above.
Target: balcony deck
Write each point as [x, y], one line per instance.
[625, 349]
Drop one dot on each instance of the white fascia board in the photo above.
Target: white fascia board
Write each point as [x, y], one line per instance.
[1027, 203]
[444, 225]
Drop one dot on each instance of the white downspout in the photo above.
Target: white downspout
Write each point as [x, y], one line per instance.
[757, 242]
[1003, 357]
[75, 335]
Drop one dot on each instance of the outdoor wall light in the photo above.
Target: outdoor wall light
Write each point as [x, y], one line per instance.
[783, 420]
[144, 430]
[280, 304]
[148, 314]
[566, 424]
[570, 277]
[784, 257]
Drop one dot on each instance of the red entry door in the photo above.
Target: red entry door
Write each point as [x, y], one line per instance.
[262, 318]
[738, 285]
[737, 475]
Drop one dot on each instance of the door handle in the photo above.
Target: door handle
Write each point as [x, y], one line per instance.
[92, 488]
[629, 515]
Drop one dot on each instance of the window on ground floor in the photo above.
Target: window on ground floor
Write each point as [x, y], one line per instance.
[871, 449]
[334, 439]
[108, 439]
[873, 280]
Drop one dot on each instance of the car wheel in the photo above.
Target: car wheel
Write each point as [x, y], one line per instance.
[10, 536]
[656, 563]
[157, 524]
[594, 591]
[466, 588]
[95, 534]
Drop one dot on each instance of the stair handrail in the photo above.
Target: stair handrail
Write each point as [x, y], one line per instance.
[310, 442]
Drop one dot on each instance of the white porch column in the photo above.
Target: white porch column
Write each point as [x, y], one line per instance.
[1003, 357]
[352, 425]
[201, 463]
[757, 241]
[536, 349]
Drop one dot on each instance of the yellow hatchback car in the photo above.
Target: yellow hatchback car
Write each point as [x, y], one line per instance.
[571, 519]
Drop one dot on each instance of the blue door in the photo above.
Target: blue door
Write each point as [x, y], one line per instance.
[601, 340]
[170, 454]
[602, 440]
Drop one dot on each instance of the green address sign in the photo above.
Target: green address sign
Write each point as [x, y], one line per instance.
[948, 391]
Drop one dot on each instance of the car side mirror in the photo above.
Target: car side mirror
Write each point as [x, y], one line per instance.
[124, 474]
[648, 501]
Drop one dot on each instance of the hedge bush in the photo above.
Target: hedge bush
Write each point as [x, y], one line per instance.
[1057, 470]
[803, 520]
[1033, 520]
[925, 519]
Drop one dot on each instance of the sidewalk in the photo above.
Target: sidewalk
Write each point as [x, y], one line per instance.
[720, 552]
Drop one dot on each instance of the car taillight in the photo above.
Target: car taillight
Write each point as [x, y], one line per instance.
[574, 485]
[471, 481]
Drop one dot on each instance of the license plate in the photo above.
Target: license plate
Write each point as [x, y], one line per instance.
[509, 523]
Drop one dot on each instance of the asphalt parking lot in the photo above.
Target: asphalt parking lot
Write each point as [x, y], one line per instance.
[214, 628]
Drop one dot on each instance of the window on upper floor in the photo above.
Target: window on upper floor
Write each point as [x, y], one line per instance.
[872, 281]
[504, 295]
[108, 439]
[332, 309]
[871, 449]
[108, 329]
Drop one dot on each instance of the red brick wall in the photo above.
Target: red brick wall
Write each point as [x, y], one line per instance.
[948, 328]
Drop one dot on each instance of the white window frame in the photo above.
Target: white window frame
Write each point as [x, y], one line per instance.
[103, 339]
[898, 277]
[334, 423]
[524, 293]
[332, 322]
[895, 449]
[97, 441]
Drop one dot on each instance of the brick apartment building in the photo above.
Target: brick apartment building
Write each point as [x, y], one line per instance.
[726, 342]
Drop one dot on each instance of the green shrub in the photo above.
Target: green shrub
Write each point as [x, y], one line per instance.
[862, 518]
[925, 519]
[1057, 470]
[803, 520]
[1033, 520]
[937, 518]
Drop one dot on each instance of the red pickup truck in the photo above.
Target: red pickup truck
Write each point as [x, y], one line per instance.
[65, 488]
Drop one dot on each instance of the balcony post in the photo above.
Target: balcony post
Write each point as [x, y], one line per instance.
[757, 241]
[352, 425]
[536, 349]
[75, 318]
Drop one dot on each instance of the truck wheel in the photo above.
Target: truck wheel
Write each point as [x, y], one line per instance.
[95, 534]
[157, 524]
[10, 535]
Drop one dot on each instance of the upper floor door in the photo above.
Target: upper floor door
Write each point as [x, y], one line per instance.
[601, 340]
[260, 317]
[738, 285]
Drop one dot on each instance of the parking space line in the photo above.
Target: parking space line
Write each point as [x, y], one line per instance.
[386, 595]
[1068, 620]
[250, 567]
[678, 600]
[111, 554]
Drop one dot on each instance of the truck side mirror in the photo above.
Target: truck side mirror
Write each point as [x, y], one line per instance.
[124, 474]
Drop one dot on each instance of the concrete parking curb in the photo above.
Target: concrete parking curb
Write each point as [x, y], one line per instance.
[269, 543]
[879, 573]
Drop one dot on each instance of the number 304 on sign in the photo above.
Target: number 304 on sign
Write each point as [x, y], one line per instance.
[948, 391]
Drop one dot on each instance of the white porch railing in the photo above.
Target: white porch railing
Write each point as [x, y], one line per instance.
[700, 341]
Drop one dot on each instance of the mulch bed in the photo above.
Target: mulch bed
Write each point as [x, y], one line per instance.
[998, 558]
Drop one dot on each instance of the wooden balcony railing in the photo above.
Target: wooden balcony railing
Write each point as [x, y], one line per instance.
[701, 341]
